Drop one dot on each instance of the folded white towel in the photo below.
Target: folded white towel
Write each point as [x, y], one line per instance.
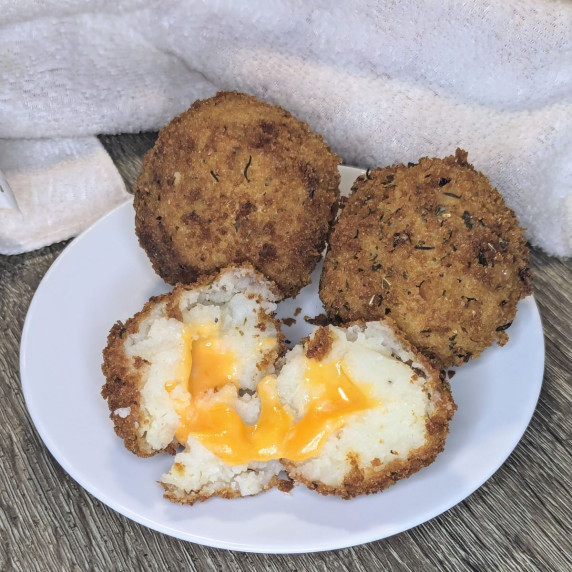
[62, 186]
[383, 81]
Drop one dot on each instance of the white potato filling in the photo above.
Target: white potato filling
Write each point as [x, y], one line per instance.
[226, 312]
[198, 470]
[386, 432]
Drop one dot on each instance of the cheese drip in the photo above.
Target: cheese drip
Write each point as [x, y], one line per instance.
[332, 397]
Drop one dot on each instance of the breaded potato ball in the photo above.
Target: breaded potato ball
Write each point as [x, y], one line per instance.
[434, 246]
[404, 426]
[188, 346]
[201, 373]
[233, 180]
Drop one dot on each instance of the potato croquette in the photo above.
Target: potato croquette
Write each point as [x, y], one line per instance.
[199, 373]
[403, 430]
[235, 180]
[216, 338]
[434, 246]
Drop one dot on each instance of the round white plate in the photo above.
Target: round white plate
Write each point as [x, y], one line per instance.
[103, 276]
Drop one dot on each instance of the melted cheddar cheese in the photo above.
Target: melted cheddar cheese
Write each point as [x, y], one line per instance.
[206, 366]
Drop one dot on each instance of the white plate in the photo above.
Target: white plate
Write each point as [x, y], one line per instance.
[103, 276]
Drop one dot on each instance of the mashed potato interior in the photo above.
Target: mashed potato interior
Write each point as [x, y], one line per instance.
[195, 391]
[380, 435]
[219, 341]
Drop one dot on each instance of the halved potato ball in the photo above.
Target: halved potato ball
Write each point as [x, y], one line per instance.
[218, 336]
[198, 371]
[404, 406]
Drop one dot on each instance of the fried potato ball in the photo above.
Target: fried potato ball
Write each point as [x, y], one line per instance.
[201, 373]
[434, 246]
[402, 432]
[235, 180]
[172, 353]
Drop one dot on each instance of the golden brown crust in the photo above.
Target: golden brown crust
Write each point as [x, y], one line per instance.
[364, 482]
[175, 494]
[320, 344]
[269, 359]
[124, 377]
[434, 245]
[234, 179]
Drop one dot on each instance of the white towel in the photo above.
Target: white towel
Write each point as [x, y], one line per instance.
[62, 186]
[383, 81]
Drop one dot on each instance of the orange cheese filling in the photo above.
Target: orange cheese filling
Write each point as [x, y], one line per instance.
[332, 397]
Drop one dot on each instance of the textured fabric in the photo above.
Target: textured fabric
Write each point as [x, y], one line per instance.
[384, 81]
[62, 186]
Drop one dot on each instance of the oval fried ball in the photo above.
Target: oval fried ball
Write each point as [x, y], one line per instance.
[433, 245]
[235, 180]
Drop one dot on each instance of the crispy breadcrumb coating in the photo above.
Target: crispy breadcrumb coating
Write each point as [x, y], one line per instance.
[234, 179]
[434, 246]
[124, 377]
